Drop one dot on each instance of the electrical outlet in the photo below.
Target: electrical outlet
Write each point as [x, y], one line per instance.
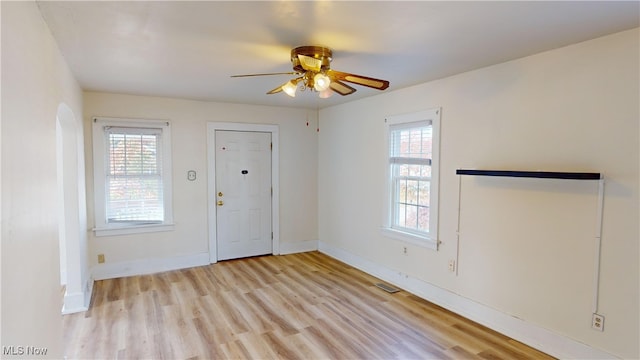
[452, 265]
[597, 322]
[100, 258]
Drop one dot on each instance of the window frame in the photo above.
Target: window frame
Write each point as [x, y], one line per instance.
[425, 239]
[100, 139]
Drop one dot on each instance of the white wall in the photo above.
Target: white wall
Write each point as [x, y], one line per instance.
[189, 241]
[35, 81]
[526, 246]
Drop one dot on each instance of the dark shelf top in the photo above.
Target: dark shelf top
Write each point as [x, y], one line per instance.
[532, 174]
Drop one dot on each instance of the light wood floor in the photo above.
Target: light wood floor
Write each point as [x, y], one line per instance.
[300, 306]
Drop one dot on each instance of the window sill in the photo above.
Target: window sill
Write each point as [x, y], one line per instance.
[132, 229]
[410, 238]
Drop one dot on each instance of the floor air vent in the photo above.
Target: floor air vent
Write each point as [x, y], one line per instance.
[388, 288]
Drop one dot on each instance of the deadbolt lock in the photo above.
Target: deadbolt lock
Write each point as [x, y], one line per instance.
[220, 193]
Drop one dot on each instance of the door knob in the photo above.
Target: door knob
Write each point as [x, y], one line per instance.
[220, 202]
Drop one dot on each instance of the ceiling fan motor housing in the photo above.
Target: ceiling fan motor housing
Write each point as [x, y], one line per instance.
[317, 52]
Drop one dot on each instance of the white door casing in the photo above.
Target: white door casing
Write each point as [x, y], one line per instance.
[249, 215]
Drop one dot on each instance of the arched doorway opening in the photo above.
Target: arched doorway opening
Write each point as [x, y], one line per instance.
[72, 214]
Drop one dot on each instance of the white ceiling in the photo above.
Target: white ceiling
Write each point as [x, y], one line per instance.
[190, 49]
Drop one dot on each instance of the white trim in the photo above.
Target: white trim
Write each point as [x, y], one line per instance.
[78, 301]
[74, 303]
[298, 247]
[518, 329]
[148, 266]
[211, 182]
[133, 229]
[431, 241]
[409, 238]
[102, 228]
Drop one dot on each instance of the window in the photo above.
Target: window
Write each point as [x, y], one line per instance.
[132, 167]
[413, 177]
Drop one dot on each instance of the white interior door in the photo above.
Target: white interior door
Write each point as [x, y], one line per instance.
[243, 194]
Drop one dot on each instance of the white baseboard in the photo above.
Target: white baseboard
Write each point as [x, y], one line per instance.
[298, 247]
[148, 266]
[74, 303]
[518, 329]
[78, 301]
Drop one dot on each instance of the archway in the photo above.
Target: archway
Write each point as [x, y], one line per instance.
[72, 218]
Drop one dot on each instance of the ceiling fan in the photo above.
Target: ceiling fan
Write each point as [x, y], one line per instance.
[311, 65]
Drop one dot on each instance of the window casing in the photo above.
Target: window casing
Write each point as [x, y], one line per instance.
[132, 176]
[413, 154]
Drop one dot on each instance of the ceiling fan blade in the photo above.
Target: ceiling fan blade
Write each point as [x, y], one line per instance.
[276, 90]
[266, 74]
[358, 79]
[341, 88]
[309, 63]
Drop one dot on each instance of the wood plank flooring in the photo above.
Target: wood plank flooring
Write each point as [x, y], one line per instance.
[300, 306]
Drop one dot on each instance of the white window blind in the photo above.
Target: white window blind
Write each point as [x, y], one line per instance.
[134, 183]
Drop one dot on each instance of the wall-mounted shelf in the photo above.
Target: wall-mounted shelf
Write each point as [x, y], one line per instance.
[532, 174]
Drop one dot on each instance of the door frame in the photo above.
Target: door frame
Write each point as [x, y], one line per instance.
[212, 127]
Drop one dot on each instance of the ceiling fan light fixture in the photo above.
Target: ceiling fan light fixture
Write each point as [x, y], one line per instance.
[326, 93]
[321, 82]
[290, 88]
